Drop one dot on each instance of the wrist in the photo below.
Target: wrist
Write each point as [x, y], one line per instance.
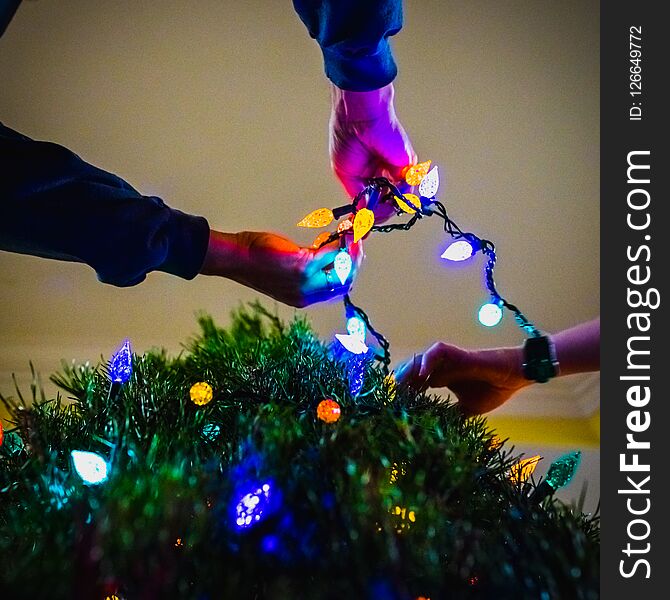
[225, 255]
[539, 359]
[363, 106]
[508, 364]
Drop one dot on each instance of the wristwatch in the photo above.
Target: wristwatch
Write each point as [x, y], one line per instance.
[539, 359]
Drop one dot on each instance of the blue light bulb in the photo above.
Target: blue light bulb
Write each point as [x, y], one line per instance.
[356, 365]
[121, 364]
[490, 314]
[356, 327]
[342, 265]
[253, 506]
[458, 251]
[91, 467]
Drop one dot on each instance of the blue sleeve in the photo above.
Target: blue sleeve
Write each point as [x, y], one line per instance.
[353, 35]
[55, 205]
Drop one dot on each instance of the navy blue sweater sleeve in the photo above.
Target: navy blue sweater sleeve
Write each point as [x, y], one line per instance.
[55, 205]
[353, 35]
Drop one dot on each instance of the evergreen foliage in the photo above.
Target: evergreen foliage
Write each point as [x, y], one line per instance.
[402, 497]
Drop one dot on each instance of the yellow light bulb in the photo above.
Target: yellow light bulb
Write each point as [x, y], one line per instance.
[413, 199]
[400, 516]
[397, 471]
[416, 173]
[521, 471]
[201, 393]
[495, 442]
[363, 222]
[321, 217]
[391, 386]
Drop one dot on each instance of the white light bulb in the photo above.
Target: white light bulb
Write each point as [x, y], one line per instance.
[352, 343]
[430, 183]
[490, 314]
[458, 251]
[342, 265]
[356, 327]
[91, 467]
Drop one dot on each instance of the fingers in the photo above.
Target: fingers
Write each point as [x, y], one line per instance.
[323, 286]
[395, 151]
[408, 371]
[429, 369]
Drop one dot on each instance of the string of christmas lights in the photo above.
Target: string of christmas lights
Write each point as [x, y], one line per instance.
[362, 221]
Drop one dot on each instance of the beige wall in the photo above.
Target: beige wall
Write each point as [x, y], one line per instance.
[221, 108]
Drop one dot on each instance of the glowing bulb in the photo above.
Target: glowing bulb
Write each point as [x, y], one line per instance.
[201, 393]
[416, 173]
[91, 467]
[363, 222]
[345, 225]
[429, 184]
[490, 314]
[328, 411]
[321, 217]
[211, 431]
[356, 365]
[401, 515]
[352, 343]
[391, 386]
[356, 327]
[342, 265]
[458, 251]
[121, 364]
[397, 471]
[563, 469]
[521, 471]
[414, 202]
[495, 442]
[252, 507]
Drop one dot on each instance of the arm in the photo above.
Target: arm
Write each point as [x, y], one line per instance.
[353, 36]
[55, 205]
[366, 137]
[485, 379]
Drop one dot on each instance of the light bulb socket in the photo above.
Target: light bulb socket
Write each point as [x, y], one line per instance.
[340, 211]
[542, 491]
[540, 362]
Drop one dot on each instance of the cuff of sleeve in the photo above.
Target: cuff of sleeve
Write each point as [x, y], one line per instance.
[360, 73]
[189, 237]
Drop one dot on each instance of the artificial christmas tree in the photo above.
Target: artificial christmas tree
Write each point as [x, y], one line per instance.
[222, 473]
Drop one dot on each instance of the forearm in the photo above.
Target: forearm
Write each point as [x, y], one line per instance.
[224, 256]
[55, 205]
[578, 348]
[364, 106]
[577, 351]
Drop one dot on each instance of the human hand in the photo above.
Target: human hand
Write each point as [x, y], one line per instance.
[367, 140]
[481, 379]
[276, 266]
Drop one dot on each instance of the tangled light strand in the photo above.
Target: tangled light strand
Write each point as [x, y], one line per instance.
[380, 189]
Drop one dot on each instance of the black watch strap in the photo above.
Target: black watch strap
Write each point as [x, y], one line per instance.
[539, 359]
